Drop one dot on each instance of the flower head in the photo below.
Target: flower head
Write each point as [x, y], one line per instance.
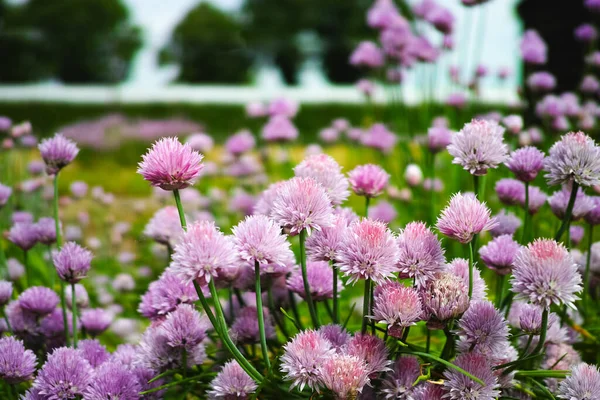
[279, 128]
[479, 146]
[113, 381]
[46, 230]
[533, 48]
[530, 320]
[302, 358]
[232, 382]
[444, 298]
[165, 295]
[438, 137]
[323, 245]
[368, 180]
[398, 383]
[544, 273]
[369, 252]
[583, 383]
[465, 217]
[510, 191]
[460, 268]
[95, 320]
[57, 152]
[507, 223]
[367, 54]
[245, 326]
[24, 235]
[421, 255]
[6, 290]
[526, 163]
[72, 262]
[574, 158]
[482, 329]
[202, 253]
[164, 227]
[345, 375]
[16, 363]
[65, 375]
[184, 327]
[302, 204]
[320, 281]
[500, 253]
[398, 306]
[155, 353]
[336, 335]
[5, 192]
[241, 142]
[326, 171]
[593, 215]
[38, 300]
[461, 387]
[559, 202]
[371, 350]
[171, 165]
[94, 352]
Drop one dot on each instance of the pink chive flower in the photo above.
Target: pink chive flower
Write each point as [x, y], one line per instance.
[537, 199]
[302, 204]
[461, 387]
[279, 128]
[460, 268]
[202, 253]
[514, 123]
[544, 273]
[574, 158]
[344, 375]
[326, 171]
[420, 255]
[543, 81]
[526, 163]
[201, 142]
[264, 205]
[367, 54]
[482, 329]
[240, 143]
[398, 306]
[479, 146]
[382, 14]
[302, 358]
[438, 137]
[368, 180]
[232, 382]
[559, 202]
[500, 253]
[507, 224]
[379, 137]
[444, 298]
[582, 383]
[465, 217]
[383, 211]
[57, 152]
[164, 227]
[509, 191]
[533, 48]
[283, 106]
[320, 281]
[171, 165]
[369, 252]
[371, 349]
[323, 245]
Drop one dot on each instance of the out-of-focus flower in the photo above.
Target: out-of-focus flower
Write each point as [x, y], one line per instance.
[383, 211]
[413, 175]
[240, 143]
[379, 137]
[586, 33]
[200, 142]
[507, 223]
[164, 227]
[526, 163]
[559, 202]
[367, 54]
[541, 81]
[320, 281]
[368, 180]
[24, 235]
[533, 48]
[5, 192]
[72, 262]
[282, 106]
[500, 253]
[326, 171]
[38, 300]
[95, 321]
[439, 137]
[279, 129]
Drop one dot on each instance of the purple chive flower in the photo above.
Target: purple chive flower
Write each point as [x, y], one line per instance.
[155, 353]
[444, 298]
[509, 191]
[544, 273]
[65, 375]
[326, 171]
[57, 152]
[379, 137]
[184, 327]
[82, 299]
[52, 328]
[514, 123]
[533, 48]
[368, 180]
[560, 199]
[583, 383]
[560, 356]
[6, 290]
[479, 146]
[113, 381]
[95, 320]
[369, 252]
[500, 253]
[232, 382]
[576, 233]
[302, 204]
[244, 329]
[79, 189]
[202, 253]
[398, 306]
[530, 320]
[507, 223]
[367, 54]
[38, 300]
[320, 280]
[574, 158]
[438, 138]
[24, 235]
[460, 268]
[283, 106]
[240, 143]
[72, 262]
[165, 294]
[592, 5]
[323, 245]
[383, 211]
[46, 230]
[461, 387]
[537, 199]
[164, 227]
[302, 358]
[279, 128]
[430, 391]
[482, 329]
[258, 239]
[586, 33]
[95, 353]
[336, 335]
[16, 363]
[371, 350]
[465, 217]
[21, 217]
[398, 383]
[420, 253]
[171, 165]
[344, 375]
[526, 163]
[5, 192]
[593, 215]
[200, 141]
[543, 81]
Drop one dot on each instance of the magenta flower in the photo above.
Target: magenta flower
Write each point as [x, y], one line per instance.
[303, 357]
[6, 290]
[171, 165]
[344, 375]
[500, 253]
[46, 230]
[94, 352]
[327, 172]
[420, 253]
[526, 163]
[202, 253]
[279, 129]
[398, 306]
[240, 143]
[465, 217]
[479, 146]
[574, 158]
[369, 252]
[164, 227]
[232, 382]
[533, 48]
[383, 211]
[543, 81]
[368, 180]
[16, 363]
[72, 262]
[320, 281]
[530, 320]
[583, 383]
[283, 106]
[38, 300]
[323, 245]
[438, 137]
[460, 268]
[57, 152]
[367, 54]
[544, 273]
[444, 298]
[379, 137]
[302, 204]
[461, 387]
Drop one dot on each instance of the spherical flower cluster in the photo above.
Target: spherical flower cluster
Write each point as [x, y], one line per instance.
[421, 254]
[16, 363]
[367, 54]
[165, 295]
[171, 165]
[113, 381]
[184, 327]
[57, 152]
[461, 387]
[232, 382]
[164, 227]
[279, 129]
[398, 306]
[345, 375]
[465, 217]
[460, 268]
[398, 383]
[320, 281]
[544, 273]
[303, 357]
[5, 192]
[510, 191]
[72, 262]
[244, 329]
[482, 329]
[368, 180]
[371, 349]
[326, 171]
[95, 320]
[38, 300]
[500, 253]
[369, 251]
[46, 230]
[479, 146]
[582, 383]
[302, 204]
[240, 143]
[24, 235]
[533, 48]
[574, 158]
[444, 298]
[530, 320]
[6, 290]
[559, 201]
[526, 163]
[65, 375]
[507, 224]
[323, 245]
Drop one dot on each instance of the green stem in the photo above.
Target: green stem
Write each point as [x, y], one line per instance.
[586, 276]
[476, 185]
[27, 269]
[527, 216]
[366, 305]
[63, 303]
[180, 209]
[367, 201]
[567, 219]
[74, 312]
[8, 327]
[428, 342]
[184, 362]
[335, 293]
[447, 364]
[56, 217]
[261, 317]
[542, 338]
[471, 268]
[529, 340]
[542, 373]
[309, 301]
[431, 191]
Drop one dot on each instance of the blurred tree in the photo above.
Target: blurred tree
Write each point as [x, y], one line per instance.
[208, 46]
[71, 40]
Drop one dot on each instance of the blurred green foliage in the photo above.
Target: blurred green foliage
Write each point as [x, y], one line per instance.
[72, 41]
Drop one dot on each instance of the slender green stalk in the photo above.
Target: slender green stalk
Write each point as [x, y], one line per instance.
[367, 202]
[471, 268]
[3, 266]
[527, 346]
[476, 185]
[543, 389]
[366, 306]
[542, 338]
[74, 312]
[27, 269]
[63, 303]
[336, 311]
[180, 209]
[586, 275]
[431, 191]
[261, 317]
[542, 373]
[56, 217]
[428, 342]
[294, 308]
[567, 219]
[7, 322]
[447, 364]
[527, 216]
[309, 301]
[184, 361]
